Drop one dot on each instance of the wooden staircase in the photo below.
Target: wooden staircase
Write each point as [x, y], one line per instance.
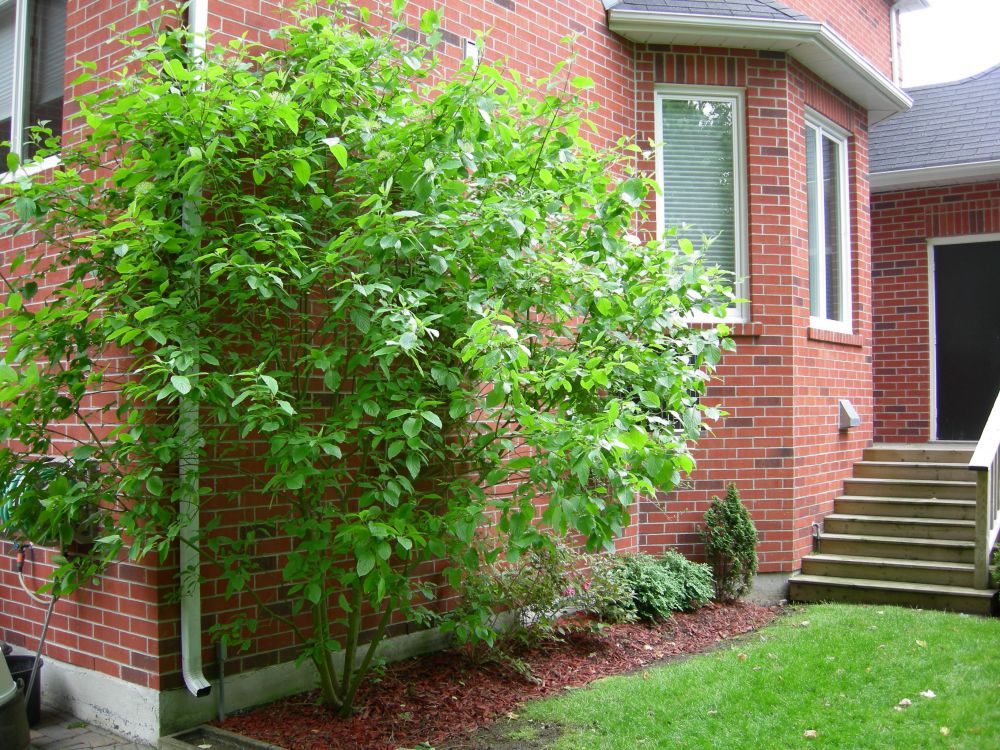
[902, 533]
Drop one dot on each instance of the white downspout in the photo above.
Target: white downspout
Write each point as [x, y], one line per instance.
[188, 429]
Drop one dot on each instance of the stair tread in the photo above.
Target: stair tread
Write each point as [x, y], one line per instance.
[891, 562]
[917, 482]
[916, 521]
[909, 500]
[916, 464]
[872, 583]
[958, 544]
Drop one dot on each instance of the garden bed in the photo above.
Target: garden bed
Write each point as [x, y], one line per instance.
[439, 698]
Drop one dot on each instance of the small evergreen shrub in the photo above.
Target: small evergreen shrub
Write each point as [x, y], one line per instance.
[730, 546]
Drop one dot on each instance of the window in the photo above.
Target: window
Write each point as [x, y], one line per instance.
[700, 167]
[32, 62]
[829, 230]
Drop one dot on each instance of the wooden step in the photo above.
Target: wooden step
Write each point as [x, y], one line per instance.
[806, 588]
[900, 548]
[911, 528]
[924, 470]
[911, 488]
[907, 507]
[889, 569]
[940, 453]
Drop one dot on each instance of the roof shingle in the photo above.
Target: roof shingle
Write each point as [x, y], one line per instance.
[950, 124]
[768, 9]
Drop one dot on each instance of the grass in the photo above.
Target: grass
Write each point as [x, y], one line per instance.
[837, 670]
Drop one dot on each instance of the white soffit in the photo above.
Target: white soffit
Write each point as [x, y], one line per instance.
[813, 44]
[948, 174]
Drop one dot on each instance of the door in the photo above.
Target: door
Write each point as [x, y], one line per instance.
[967, 336]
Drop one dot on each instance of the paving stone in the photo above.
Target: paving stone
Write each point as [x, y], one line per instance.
[58, 731]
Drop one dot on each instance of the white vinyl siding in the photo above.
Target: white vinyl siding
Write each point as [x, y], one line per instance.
[700, 168]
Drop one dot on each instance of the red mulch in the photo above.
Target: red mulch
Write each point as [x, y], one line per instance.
[434, 697]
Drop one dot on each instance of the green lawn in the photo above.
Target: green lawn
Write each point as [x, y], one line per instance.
[839, 671]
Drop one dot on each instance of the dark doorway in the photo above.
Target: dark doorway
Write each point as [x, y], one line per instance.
[967, 336]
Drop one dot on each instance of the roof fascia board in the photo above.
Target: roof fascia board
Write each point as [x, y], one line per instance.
[948, 174]
[812, 43]
[907, 5]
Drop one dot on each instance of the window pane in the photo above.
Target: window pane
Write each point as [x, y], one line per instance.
[831, 219]
[699, 174]
[828, 262]
[45, 92]
[6, 76]
[815, 226]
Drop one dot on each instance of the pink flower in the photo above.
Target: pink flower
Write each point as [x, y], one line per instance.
[569, 591]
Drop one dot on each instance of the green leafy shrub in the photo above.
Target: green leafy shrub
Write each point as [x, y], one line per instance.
[730, 546]
[697, 585]
[664, 585]
[508, 604]
[611, 596]
[402, 286]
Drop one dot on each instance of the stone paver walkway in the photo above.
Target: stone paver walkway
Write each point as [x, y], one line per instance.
[57, 731]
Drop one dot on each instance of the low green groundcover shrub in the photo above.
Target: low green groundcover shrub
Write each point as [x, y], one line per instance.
[659, 586]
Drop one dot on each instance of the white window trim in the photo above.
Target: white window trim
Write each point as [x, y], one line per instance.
[818, 126]
[17, 125]
[740, 313]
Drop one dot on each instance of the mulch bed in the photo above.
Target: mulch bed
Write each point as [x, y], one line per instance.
[444, 696]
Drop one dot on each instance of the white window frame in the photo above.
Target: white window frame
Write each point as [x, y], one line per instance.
[739, 313]
[817, 126]
[17, 123]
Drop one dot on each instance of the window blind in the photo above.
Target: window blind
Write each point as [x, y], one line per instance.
[6, 67]
[699, 177]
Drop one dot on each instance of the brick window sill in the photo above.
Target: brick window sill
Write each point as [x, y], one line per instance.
[736, 330]
[835, 337]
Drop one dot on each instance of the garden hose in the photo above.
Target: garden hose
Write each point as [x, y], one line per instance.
[41, 644]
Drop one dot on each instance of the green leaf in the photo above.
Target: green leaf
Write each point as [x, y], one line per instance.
[313, 592]
[271, 383]
[582, 82]
[339, 153]
[13, 162]
[649, 399]
[181, 384]
[146, 313]
[302, 170]
[413, 464]
[411, 427]
[433, 418]
[365, 565]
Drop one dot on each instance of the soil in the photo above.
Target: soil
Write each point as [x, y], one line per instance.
[441, 699]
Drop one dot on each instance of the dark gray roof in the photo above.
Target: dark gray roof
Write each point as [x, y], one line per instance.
[950, 123]
[770, 9]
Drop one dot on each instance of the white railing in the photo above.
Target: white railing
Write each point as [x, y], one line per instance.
[986, 463]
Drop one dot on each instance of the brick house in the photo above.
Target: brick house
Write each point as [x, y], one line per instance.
[935, 235]
[790, 90]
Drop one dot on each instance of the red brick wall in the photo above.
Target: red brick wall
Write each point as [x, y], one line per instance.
[902, 223]
[120, 626]
[124, 627]
[864, 24]
[829, 366]
[780, 442]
